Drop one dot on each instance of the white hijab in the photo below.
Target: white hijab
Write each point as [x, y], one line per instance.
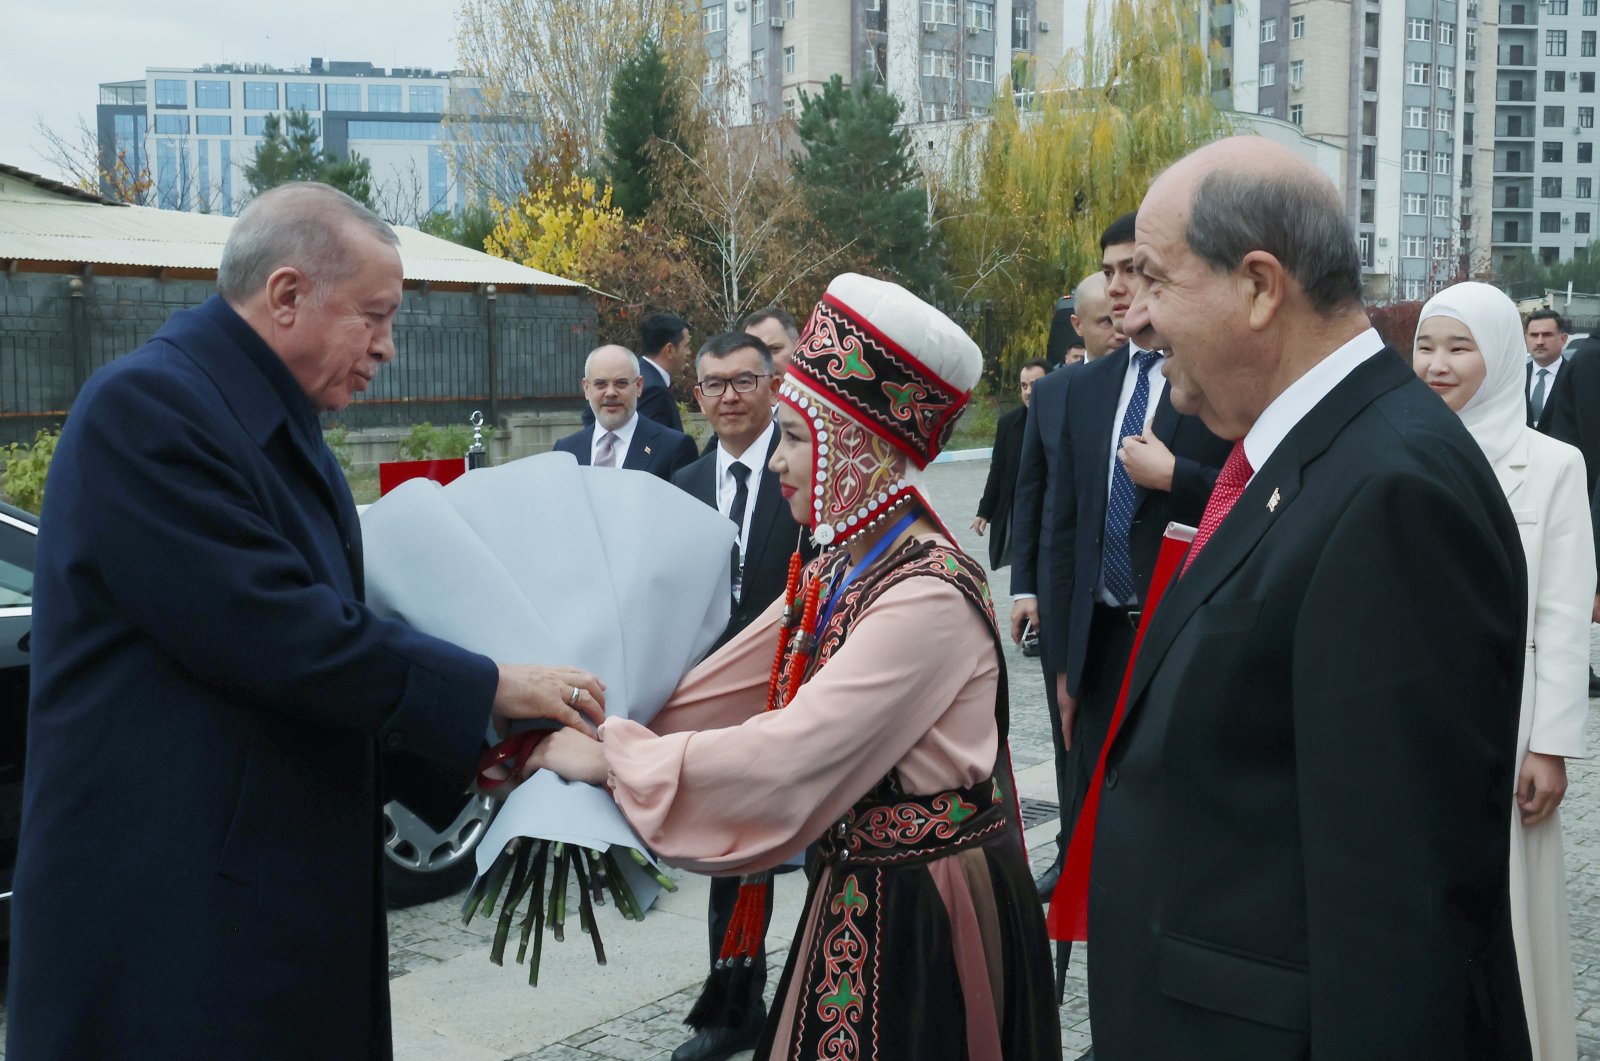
[1497, 414]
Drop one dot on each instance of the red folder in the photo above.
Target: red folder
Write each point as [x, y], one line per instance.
[392, 473]
[1069, 906]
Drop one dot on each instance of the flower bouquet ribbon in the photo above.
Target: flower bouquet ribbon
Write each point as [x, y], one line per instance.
[543, 561]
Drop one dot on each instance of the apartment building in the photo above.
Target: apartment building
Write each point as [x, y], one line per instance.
[194, 130]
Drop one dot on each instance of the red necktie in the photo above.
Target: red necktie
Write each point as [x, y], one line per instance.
[1231, 481]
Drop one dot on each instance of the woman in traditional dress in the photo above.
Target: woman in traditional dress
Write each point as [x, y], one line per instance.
[1469, 349]
[865, 714]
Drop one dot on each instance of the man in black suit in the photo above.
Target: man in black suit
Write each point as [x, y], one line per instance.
[994, 507]
[1032, 523]
[619, 436]
[1129, 464]
[1546, 338]
[734, 387]
[1301, 848]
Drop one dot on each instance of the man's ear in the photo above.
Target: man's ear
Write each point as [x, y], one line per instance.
[287, 291]
[1264, 283]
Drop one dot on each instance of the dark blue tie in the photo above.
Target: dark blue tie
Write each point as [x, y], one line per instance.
[1116, 569]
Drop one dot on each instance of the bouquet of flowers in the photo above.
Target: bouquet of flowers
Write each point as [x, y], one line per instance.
[543, 561]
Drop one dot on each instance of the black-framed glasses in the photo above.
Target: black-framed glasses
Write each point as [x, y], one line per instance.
[743, 383]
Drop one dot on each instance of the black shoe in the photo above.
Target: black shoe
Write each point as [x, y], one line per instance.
[1047, 882]
[717, 1043]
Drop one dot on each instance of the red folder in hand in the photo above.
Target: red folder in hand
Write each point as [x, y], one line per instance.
[1069, 906]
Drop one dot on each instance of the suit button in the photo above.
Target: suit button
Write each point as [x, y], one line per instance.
[393, 741]
[1111, 777]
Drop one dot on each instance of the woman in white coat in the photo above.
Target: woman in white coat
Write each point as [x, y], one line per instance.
[1469, 349]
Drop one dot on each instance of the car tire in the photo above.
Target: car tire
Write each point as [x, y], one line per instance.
[423, 863]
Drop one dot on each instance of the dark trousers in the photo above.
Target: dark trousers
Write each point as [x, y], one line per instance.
[1110, 644]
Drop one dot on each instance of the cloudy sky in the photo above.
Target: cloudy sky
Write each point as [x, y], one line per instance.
[55, 53]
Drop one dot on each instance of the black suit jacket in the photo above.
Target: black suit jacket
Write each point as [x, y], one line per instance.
[1082, 471]
[656, 401]
[1034, 500]
[1302, 847]
[999, 488]
[1550, 390]
[1572, 408]
[774, 536]
[658, 450]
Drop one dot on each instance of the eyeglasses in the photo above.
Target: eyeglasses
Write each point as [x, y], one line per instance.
[744, 383]
[611, 384]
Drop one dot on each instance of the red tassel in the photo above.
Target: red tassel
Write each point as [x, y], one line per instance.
[745, 927]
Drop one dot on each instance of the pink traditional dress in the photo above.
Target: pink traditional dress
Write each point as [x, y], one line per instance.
[922, 936]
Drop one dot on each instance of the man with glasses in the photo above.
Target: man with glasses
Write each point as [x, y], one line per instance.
[619, 436]
[734, 386]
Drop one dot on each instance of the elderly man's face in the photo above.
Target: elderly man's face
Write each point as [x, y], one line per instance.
[341, 333]
[1094, 322]
[612, 387]
[779, 343]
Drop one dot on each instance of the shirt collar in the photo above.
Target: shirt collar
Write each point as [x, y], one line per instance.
[624, 433]
[754, 457]
[1301, 396]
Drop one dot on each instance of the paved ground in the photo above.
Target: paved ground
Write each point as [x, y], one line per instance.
[451, 1004]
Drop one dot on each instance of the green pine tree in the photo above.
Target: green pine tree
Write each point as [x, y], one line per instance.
[469, 227]
[288, 152]
[644, 108]
[861, 182]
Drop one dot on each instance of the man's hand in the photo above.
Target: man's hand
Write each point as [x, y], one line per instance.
[1068, 708]
[1541, 783]
[1149, 462]
[980, 525]
[575, 756]
[1025, 610]
[529, 691]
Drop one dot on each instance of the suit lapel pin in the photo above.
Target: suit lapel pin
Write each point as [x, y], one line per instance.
[647, 451]
[1272, 502]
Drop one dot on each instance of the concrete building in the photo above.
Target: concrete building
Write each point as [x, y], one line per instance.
[195, 130]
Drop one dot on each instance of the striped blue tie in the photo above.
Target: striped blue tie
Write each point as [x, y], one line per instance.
[1116, 568]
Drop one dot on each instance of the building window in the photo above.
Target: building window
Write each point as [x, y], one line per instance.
[255, 126]
[711, 19]
[939, 12]
[1443, 163]
[980, 16]
[212, 95]
[1369, 74]
[1268, 111]
[788, 107]
[1021, 29]
[1364, 245]
[1557, 7]
[1585, 152]
[1550, 187]
[1297, 113]
[1580, 223]
[173, 124]
[1549, 221]
[1417, 29]
[1472, 42]
[980, 68]
[1369, 205]
[758, 10]
[1416, 161]
[1553, 151]
[1444, 120]
[758, 63]
[383, 98]
[1297, 73]
[213, 125]
[1370, 37]
[1555, 42]
[1369, 161]
[788, 9]
[1418, 73]
[1554, 116]
[1441, 247]
[1591, 7]
[1269, 75]
[1585, 188]
[1441, 206]
[1586, 43]
[788, 59]
[1415, 203]
[758, 112]
[1411, 290]
[358, 130]
[170, 93]
[1586, 82]
[1297, 27]
[1447, 76]
[937, 62]
[426, 99]
[1447, 33]
[344, 97]
[1555, 81]
[1416, 117]
[260, 95]
[1413, 246]
[1269, 30]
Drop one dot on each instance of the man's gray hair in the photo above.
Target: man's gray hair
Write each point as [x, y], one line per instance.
[610, 346]
[296, 224]
[1296, 217]
[1087, 287]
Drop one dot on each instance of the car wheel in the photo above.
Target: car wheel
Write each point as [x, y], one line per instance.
[422, 863]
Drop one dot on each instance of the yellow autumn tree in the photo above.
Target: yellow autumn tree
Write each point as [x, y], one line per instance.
[1027, 194]
[570, 230]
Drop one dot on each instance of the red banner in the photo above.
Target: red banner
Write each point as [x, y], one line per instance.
[392, 473]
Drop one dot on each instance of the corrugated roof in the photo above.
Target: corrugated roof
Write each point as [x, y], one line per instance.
[91, 232]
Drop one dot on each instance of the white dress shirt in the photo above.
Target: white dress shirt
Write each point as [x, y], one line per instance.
[1301, 396]
[1549, 381]
[624, 439]
[755, 458]
[1130, 379]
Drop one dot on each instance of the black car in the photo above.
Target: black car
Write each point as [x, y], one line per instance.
[431, 825]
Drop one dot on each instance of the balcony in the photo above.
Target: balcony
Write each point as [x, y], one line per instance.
[1515, 56]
